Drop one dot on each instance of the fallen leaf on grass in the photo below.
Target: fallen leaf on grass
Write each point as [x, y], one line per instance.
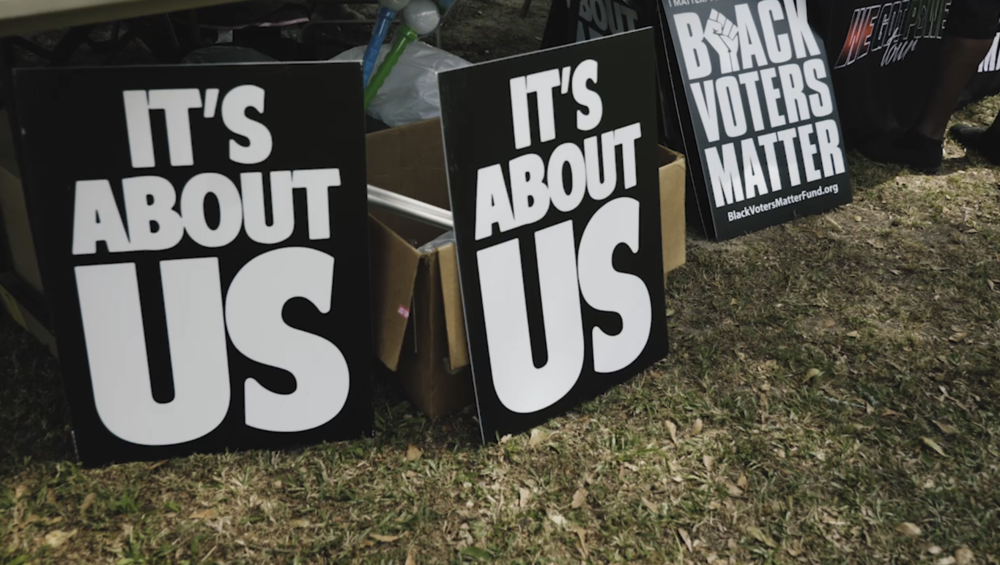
[477, 553]
[827, 519]
[20, 491]
[204, 514]
[88, 501]
[963, 556]
[579, 498]
[909, 529]
[58, 538]
[384, 539]
[934, 550]
[933, 445]
[303, 523]
[31, 519]
[742, 481]
[709, 462]
[698, 426]
[410, 560]
[855, 335]
[686, 538]
[672, 428]
[412, 453]
[582, 534]
[524, 496]
[557, 518]
[812, 374]
[946, 429]
[538, 435]
[958, 337]
[949, 560]
[794, 549]
[734, 491]
[760, 536]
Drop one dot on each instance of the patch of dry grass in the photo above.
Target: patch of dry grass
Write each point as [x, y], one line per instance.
[826, 360]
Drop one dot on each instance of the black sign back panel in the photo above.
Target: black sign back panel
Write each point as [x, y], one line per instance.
[554, 187]
[203, 239]
[752, 88]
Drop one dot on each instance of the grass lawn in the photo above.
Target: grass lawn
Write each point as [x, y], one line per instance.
[831, 396]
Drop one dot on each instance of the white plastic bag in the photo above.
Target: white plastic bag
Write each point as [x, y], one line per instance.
[410, 93]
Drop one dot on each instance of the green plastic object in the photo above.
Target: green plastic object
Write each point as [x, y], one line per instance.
[404, 37]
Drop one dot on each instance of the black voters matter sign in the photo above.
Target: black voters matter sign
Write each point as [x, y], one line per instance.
[553, 178]
[753, 95]
[202, 232]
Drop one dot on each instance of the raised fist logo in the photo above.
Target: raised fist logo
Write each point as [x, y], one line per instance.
[724, 37]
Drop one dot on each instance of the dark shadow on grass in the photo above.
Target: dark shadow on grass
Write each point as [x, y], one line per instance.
[867, 174]
[397, 421]
[34, 415]
[35, 419]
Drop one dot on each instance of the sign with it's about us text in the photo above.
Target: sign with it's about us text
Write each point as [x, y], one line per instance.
[553, 178]
[202, 233]
[752, 89]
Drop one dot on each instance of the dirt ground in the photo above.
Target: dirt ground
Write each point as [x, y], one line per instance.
[831, 396]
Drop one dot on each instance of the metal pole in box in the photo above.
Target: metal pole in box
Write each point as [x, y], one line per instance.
[410, 208]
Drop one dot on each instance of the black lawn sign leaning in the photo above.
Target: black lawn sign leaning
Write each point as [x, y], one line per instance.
[203, 241]
[553, 177]
[752, 93]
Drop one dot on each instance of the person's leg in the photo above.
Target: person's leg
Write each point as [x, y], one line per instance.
[971, 27]
[984, 141]
[959, 62]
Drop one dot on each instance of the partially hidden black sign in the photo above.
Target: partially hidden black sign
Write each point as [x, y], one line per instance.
[553, 178]
[593, 19]
[752, 92]
[203, 242]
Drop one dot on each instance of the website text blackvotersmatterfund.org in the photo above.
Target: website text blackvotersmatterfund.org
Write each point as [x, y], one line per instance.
[782, 201]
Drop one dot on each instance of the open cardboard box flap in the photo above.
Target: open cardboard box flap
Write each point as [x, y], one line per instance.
[410, 161]
[454, 315]
[673, 176]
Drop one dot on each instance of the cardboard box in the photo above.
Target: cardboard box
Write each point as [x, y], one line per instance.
[416, 301]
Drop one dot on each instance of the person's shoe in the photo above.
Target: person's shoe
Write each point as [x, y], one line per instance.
[910, 149]
[978, 140]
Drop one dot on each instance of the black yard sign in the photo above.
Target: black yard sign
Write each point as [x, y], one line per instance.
[752, 93]
[592, 19]
[203, 241]
[553, 177]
